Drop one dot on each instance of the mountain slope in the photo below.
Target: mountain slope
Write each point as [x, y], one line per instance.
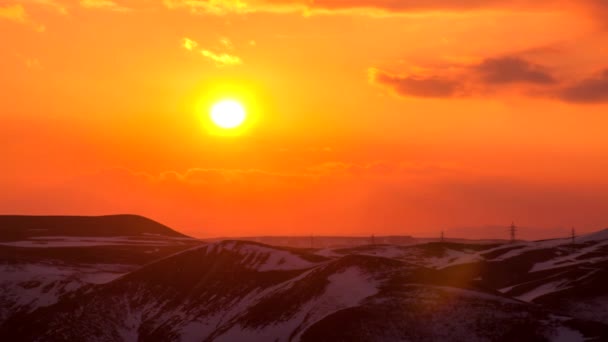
[242, 291]
[46, 258]
[157, 286]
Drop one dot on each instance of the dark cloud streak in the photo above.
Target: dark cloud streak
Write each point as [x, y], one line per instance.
[512, 70]
[417, 86]
[490, 76]
[590, 90]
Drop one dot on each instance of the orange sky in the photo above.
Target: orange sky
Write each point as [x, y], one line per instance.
[371, 116]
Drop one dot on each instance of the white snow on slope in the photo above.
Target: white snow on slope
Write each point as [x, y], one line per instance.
[593, 309]
[597, 236]
[571, 258]
[196, 330]
[41, 284]
[564, 334]
[262, 258]
[524, 247]
[344, 290]
[415, 255]
[542, 290]
[468, 293]
[452, 258]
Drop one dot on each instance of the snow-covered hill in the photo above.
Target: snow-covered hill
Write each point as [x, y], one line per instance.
[244, 291]
[46, 258]
[166, 287]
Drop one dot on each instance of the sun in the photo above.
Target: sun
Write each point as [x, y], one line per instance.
[228, 114]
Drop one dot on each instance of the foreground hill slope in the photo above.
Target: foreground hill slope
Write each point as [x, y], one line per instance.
[127, 278]
[244, 291]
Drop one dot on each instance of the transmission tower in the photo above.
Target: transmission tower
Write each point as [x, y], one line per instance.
[442, 236]
[513, 231]
[373, 240]
[573, 236]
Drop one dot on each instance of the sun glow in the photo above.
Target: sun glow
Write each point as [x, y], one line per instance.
[228, 114]
[228, 108]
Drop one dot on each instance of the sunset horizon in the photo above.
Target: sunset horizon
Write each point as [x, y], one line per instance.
[303, 170]
[357, 117]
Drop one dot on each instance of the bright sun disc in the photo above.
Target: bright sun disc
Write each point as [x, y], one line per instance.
[228, 114]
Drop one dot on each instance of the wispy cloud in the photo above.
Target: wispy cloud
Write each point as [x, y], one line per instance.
[378, 8]
[103, 4]
[217, 7]
[55, 5]
[222, 59]
[417, 85]
[17, 13]
[219, 58]
[14, 13]
[590, 90]
[226, 42]
[189, 44]
[512, 70]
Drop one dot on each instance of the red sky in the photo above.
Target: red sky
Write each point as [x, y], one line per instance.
[365, 116]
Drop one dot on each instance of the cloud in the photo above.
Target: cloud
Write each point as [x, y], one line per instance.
[490, 77]
[416, 85]
[53, 4]
[103, 4]
[217, 7]
[512, 70]
[246, 178]
[226, 42]
[590, 90]
[189, 44]
[219, 58]
[374, 7]
[16, 13]
[222, 59]
[429, 5]
[216, 180]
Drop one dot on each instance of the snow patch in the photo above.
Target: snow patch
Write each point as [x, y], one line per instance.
[597, 236]
[540, 291]
[31, 286]
[264, 259]
[344, 290]
[564, 334]
[350, 287]
[570, 259]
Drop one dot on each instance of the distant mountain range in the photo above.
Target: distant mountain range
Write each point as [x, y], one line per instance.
[127, 278]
